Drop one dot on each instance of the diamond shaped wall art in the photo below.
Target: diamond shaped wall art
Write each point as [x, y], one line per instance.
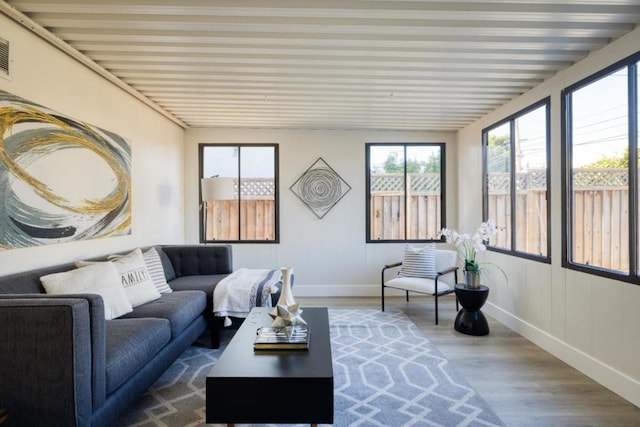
[320, 188]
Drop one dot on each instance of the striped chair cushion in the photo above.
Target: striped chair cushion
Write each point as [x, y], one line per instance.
[419, 262]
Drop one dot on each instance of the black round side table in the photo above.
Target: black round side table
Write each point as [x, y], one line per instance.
[470, 320]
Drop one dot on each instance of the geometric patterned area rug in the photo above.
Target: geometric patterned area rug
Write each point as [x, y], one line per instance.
[177, 398]
[386, 373]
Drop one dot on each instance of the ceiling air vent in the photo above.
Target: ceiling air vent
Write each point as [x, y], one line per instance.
[4, 57]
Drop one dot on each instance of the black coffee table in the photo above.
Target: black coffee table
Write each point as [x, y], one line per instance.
[280, 387]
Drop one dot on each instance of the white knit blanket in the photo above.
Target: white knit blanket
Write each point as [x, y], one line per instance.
[245, 288]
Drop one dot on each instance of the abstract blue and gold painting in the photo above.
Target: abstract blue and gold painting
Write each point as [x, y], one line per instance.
[61, 180]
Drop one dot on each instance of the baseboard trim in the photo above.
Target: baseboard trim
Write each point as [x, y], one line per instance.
[328, 291]
[609, 377]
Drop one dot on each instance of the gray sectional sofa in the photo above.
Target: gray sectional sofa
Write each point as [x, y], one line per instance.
[63, 364]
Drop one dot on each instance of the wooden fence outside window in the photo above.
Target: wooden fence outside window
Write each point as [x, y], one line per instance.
[388, 206]
[601, 215]
[256, 210]
[601, 218]
[601, 223]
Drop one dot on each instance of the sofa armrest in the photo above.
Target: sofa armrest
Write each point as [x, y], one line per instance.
[196, 260]
[98, 338]
[45, 361]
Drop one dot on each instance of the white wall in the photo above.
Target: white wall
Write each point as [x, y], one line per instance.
[329, 255]
[590, 322]
[43, 74]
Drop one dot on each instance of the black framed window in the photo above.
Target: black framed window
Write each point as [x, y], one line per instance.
[515, 182]
[250, 212]
[600, 173]
[405, 191]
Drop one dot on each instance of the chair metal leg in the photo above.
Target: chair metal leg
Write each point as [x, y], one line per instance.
[455, 275]
[435, 295]
[407, 296]
[382, 287]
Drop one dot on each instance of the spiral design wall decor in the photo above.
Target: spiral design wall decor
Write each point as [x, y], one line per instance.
[320, 188]
[60, 179]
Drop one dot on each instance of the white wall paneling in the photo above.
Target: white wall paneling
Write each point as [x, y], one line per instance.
[329, 255]
[588, 321]
[43, 74]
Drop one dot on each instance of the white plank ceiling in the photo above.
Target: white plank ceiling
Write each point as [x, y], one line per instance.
[339, 64]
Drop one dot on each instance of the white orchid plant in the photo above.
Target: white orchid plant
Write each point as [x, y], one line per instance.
[468, 246]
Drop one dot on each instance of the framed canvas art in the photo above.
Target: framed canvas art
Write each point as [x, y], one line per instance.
[61, 179]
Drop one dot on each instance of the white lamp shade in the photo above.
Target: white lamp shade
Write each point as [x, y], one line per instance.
[217, 189]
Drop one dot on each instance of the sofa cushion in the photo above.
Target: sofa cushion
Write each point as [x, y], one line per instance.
[130, 344]
[179, 308]
[101, 279]
[205, 283]
[198, 260]
[156, 270]
[28, 282]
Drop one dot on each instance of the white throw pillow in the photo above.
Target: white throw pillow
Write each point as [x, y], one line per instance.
[419, 262]
[102, 279]
[154, 265]
[134, 277]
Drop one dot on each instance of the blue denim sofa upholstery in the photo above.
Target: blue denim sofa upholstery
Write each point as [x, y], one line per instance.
[63, 364]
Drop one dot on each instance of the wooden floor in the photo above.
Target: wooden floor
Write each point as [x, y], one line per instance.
[525, 385]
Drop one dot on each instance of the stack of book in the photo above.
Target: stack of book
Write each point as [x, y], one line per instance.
[276, 339]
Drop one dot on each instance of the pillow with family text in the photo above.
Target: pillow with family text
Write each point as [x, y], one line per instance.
[134, 277]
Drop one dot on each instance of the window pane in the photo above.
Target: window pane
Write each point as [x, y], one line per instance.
[638, 142]
[423, 192]
[221, 216]
[530, 144]
[499, 183]
[386, 197]
[251, 214]
[599, 176]
[405, 191]
[257, 195]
